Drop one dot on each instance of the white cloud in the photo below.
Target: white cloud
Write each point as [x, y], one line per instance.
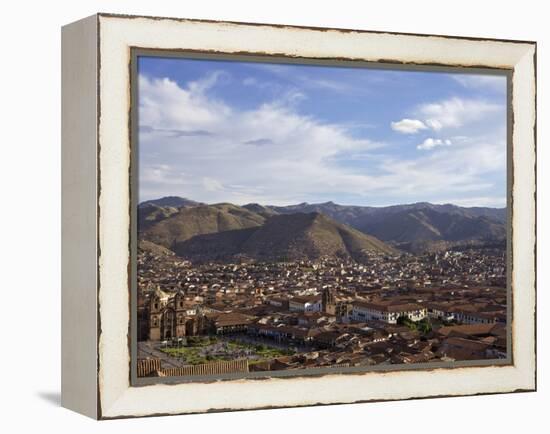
[315, 82]
[207, 82]
[161, 174]
[211, 184]
[273, 154]
[408, 126]
[430, 143]
[272, 147]
[434, 124]
[456, 112]
[470, 170]
[450, 113]
[165, 105]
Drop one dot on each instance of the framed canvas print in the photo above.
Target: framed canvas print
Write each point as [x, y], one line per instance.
[260, 216]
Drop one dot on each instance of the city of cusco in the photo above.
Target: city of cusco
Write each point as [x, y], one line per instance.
[224, 288]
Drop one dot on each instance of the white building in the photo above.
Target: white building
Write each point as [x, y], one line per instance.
[306, 303]
[464, 316]
[440, 311]
[388, 313]
[467, 317]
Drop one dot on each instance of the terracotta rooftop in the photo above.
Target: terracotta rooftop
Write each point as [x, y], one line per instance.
[386, 307]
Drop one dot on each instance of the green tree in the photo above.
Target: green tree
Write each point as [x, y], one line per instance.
[424, 326]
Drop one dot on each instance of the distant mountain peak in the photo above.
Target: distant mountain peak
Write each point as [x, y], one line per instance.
[292, 236]
[171, 201]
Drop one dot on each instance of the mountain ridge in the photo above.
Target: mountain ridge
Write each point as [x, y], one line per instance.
[178, 201]
[170, 201]
[285, 237]
[412, 227]
[188, 222]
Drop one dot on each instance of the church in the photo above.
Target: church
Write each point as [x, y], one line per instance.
[164, 316]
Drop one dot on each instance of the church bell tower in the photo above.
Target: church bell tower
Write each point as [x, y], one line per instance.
[329, 301]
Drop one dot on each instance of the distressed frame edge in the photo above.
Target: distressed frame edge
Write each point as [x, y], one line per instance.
[528, 388]
[79, 141]
[304, 27]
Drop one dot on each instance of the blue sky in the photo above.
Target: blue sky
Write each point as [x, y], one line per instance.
[241, 132]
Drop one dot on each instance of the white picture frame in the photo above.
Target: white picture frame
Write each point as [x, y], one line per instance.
[96, 140]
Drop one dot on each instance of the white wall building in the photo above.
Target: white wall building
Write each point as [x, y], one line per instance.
[388, 313]
[308, 303]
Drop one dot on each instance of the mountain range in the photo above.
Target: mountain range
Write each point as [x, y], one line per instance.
[222, 231]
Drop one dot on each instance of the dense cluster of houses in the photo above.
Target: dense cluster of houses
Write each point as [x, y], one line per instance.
[392, 309]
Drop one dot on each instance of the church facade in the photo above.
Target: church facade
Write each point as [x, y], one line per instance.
[164, 316]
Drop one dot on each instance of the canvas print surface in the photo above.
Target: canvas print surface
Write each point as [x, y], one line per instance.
[296, 217]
